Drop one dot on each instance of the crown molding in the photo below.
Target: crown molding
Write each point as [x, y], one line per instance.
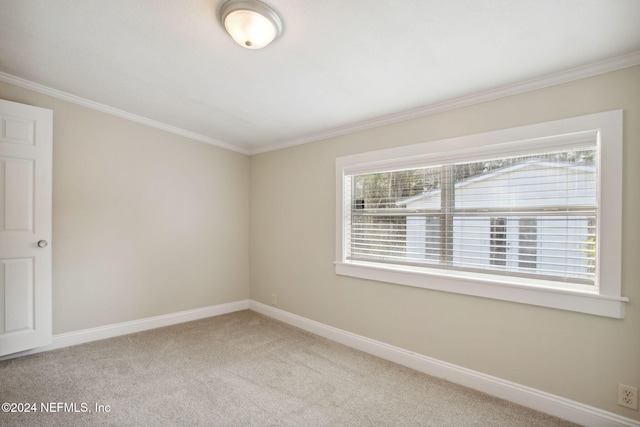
[45, 90]
[576, 73]
[565, 76]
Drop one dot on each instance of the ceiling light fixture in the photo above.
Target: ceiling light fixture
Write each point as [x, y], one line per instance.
[251, 23]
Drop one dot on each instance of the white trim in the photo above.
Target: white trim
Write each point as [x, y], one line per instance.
[124, 328]
[526, 396]
[507, 390]
[514, 140]
[613, 64]
[490, 286]
[36, 87]
[565, 76]
[606, 300]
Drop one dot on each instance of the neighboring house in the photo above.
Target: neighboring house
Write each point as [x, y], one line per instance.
[530, 218]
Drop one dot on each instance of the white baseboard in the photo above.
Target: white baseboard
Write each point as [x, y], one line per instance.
[513, 392]
[118, 329]
[507, 390]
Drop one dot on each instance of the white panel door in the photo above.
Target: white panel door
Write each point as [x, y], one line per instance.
[25, 226]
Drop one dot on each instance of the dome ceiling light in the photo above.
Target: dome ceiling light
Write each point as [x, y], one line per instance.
[252, 24]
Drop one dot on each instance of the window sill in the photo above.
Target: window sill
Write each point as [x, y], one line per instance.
[486, 286]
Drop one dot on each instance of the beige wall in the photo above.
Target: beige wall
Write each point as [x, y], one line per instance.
[578, 356]
[145, 222]
[148, 223]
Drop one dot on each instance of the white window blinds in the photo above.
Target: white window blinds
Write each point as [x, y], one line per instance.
[531, 215]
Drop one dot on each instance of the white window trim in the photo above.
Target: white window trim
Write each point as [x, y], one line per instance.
[605, 300]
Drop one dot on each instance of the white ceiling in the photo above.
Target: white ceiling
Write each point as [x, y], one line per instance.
[338, 64]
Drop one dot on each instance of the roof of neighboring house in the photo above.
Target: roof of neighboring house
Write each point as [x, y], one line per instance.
[499, 172]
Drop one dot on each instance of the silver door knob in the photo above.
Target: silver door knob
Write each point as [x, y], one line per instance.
[43, 243]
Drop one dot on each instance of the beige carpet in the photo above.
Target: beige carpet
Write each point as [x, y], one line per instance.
[240, 369]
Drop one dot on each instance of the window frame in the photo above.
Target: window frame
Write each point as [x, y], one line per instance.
[605, 299]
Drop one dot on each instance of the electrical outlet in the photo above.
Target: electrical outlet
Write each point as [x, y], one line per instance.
[274, 302]
[628, 396]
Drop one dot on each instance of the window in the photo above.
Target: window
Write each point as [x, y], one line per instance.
[528, 242]
[489, 215]
[498, 246]
[515, 215]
